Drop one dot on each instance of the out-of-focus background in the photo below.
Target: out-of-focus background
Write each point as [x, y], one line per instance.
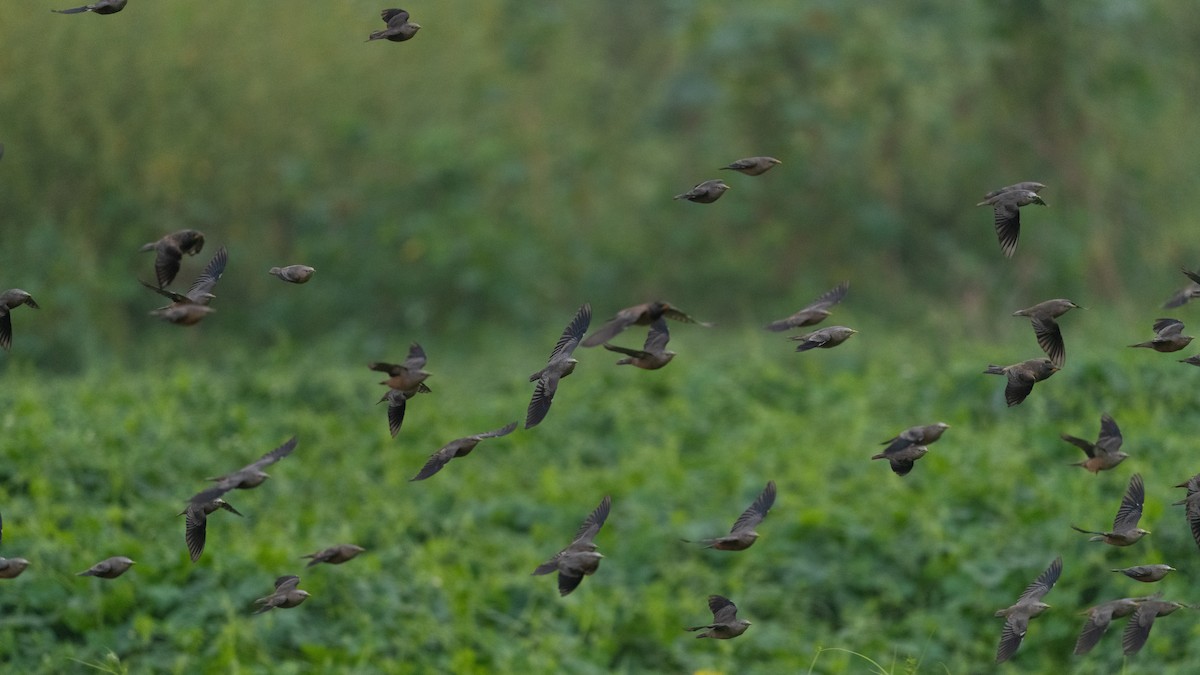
[469, 189]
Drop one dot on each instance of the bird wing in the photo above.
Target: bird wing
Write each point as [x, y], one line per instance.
[1193, 518]
[195, 530]
[5, 330]
[1094, 628]
[1194, 276]
[1019, 386]
[723, 609]
[1130, 511]
[416, 357]
[592, 524]
[1014, 631]
[1049, 338]
[172, 295]
[543, 396]
[394, 18]
[436, 461]
[742, 164]
[635, 353]
[1110, 438]
[1088, 448]
[567, 583]
[672, 313]
[754, 515]
[812, 340]
[573, 333]
[274, 455]
[286, 583]
[1045, 581]
[657, 338]
[166, 262]
[831, 297]
[901, 466]
[1167, 327]
[496, 433]
[1008, 227]
[1138, 628]
[396, 407]
[208, 279]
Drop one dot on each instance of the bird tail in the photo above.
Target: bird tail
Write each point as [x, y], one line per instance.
[994, 370]
[148, 247]
[879, 456]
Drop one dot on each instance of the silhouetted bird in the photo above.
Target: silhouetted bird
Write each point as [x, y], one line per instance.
[581, 558]
[1029, 605]
[399, 28]
[1168, 336]
[902, 460]
[1006, 205]
[169, 252]
[296, 274]
[189, 308]
[753, 166]
[1147, 573]
[705, 193]
[918, 435]
[397, 400]
[725, 623]
[1105, 453]
[195, 527]
[286, 595]
[109, 568]
[823, 338]
[247, 477]
[1125, 530]
[459, 448]
[815, 312]
[101, 7]
[1099, 618]
[10, 300]
[1138, 628]
[1049, 337]
[742, 535]
[557, 367]
[334, 555]
[653, 354]
[1021, 377]
[640, 315]
[404, 376]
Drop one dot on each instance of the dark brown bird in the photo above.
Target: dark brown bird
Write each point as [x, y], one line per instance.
[109, 568]
[286, 595]
[404, 376]
[195, 528]
[1194, 360]
[753, 166]
[399, 28]
[557, 367]
[653, 354]
[742, 535]
[581, 558]
[101, 7]
[10, 300]
[459, 448]
[1049, 336]
[10, 568]
[705, 193]
[169, 252]
[902, 460]
[1029, 605]
[1125, 531]
[334, 555]
[189, 308]
[1099, 618]
[725, 623]
[918, 435]
[1168, 336]
[638, 315]
[1147, 573]
[1105, 453]
[823, 338]
[247, 477]
[815, 312]
[1029, 186]
[1138, 628]
[1021, 377]
[1006, 205]
[293, 274]
[397, 400]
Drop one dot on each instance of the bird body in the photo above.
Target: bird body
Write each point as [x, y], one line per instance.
[580, 558]
[1105, 453]
[1028, 606]
[813, 313]
[1021, 377]
[399, 28]
[459, 448]
[1046, 329]
[927, 434]
[823, 338]
[902, 460]
[1099, 618]
[195, 528]
[1138, 629]
[705, 193]
[101, 7]
[109, 568]
[1146, 573]
[653, 354]
[1168, 336]
[725, 623]
[10, 300]
[286, 595]
[1006, 204]
[753, 166]
[11, 568]
[1029, 186]
[334, 555]
[742, 535]
[294, 274]
[404, 376]
[559, 365]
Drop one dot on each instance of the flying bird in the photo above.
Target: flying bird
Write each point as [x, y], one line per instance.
[1147, 573]
[581, 558]
[334, 555]
[1138, 628]
[1105, 453]
[101, 7]
[10, 300]
[1021, 377]
[653, 354]
[397, 400]
[404, 376]
[1183, 295]
[10, 568]
[902, 460]
[918, 435]
[557, 367]
[109, 568]
[742, 535]
[1045, 328]
[638, 315]
[1193, 360]
[195, 528]
[824, 338]
[286, 595]
[1029, 186]
[399, 28]
[1125, 530]
[1168, 336]
[247, 477]
[725, 623]
[190, 308]
[1006, 204]
[815, 312]
[169, 252]
[294, 274]
[459, 448]
[1029, 605]
[1099, 618]
[705, 193]
[753, 166]
[1191, 505]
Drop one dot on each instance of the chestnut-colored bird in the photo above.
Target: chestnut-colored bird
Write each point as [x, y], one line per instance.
[705, 193]
[397, 400]
[557, 367]
[293, 274]
[823, 338]
[742, 535]
[653, 354]
[286, 595]
[1138, 628]
[109, 568]
[1146, 573]
[902, 460]
[1099, 618]
[195, 527]
[753, 166]
[815, 312]
[581, 558]
[189, 308]
[638, 315]
[1105, 453]
[101, 7]
[1029, 605]
[725, 624]
[247, 477]
[334, 555]
[169, 252]
[1006, 204]
[1125, 531]
[10, 300]
[399, 28]
[459, 448]
[1168, 336]
[1021, 377]
[1049, 336]
[404, 376]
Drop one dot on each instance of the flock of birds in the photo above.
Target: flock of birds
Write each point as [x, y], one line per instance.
[581, 557]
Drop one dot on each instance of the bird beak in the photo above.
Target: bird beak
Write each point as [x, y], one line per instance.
[414, 24]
